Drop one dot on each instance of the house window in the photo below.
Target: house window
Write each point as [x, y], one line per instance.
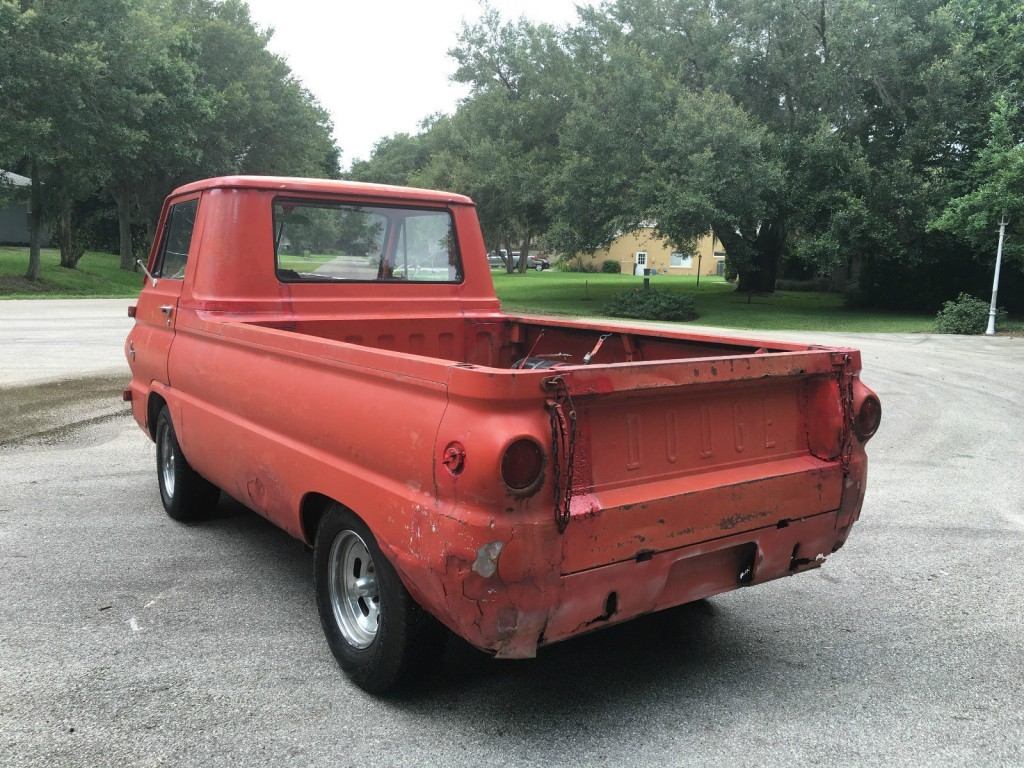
[681, 260]
[641, 258]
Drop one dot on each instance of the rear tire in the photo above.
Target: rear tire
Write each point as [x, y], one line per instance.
[379, 635]
[186, 495]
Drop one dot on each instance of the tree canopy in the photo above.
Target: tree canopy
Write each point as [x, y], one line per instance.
[122, 100]
[876, 143]
[847, 138]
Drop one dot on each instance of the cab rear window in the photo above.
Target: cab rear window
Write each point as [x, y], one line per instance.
[325, 241]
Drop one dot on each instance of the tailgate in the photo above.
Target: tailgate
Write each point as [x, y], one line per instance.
[682, 453]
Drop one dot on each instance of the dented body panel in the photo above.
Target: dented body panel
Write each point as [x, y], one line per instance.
[675, 465]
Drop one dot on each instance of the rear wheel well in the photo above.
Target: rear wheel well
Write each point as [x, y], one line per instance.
[156, 402]
[314, 505]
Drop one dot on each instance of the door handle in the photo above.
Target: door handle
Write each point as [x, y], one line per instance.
[167, 309]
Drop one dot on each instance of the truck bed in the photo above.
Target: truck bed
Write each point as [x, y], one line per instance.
[498, 341]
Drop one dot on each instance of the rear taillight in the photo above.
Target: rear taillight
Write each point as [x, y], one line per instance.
[869, 416]
[522, 465]
[867, 411]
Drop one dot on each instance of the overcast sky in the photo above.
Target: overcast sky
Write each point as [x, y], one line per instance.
[381, 66]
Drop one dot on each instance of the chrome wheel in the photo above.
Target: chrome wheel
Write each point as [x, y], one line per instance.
[352, 587]
[167, 460]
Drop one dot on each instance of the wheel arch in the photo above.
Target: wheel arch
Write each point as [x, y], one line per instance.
[312, 508]
[315, 505]
[153, 405]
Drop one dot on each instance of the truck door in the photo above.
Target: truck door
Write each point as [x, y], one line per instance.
[157, 308]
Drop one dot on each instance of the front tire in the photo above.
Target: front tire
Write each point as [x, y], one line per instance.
[186, 495]
[379, 635]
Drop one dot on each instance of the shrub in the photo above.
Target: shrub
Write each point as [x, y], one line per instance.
[575, 264]
[651, 305]
[966, 314]
[611, 267]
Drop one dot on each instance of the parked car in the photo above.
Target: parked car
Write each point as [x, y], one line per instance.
[515, 480]
[496, 260]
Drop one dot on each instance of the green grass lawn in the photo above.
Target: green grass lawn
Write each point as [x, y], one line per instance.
[98, 275]
[717, 302]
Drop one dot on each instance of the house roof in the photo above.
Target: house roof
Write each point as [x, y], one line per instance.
[14, 179]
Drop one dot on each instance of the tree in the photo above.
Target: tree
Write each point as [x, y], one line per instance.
[605, 148]
[848, 99]
[714, 171]
[50, 96]
[77, 87]
[394, 160]
[520, 79]
[223, 104]
[998, 188]
[135, 97]
[501, 145]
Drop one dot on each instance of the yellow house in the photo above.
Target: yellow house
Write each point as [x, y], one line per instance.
[642, 248]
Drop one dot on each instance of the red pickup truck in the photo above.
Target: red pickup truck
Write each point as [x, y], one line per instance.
[333, 355]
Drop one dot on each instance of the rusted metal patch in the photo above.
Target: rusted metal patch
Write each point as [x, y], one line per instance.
[486, 563]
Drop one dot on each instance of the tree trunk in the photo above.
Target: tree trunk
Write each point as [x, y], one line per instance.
[840, 277]
[510, 262]
[524, 254]
[64, 235]
[758, 275]
[71, 249]
[123, 199]
[856, 264]
[35, 223]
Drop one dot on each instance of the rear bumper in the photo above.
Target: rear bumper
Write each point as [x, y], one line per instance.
[690, 573]
[502, 588]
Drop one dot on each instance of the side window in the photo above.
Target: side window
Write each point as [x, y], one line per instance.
[177, 239]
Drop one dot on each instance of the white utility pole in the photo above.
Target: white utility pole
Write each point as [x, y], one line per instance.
[991, 330]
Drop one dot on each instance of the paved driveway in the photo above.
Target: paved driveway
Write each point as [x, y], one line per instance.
[127, 639]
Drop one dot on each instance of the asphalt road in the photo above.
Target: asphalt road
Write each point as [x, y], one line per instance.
[46, 339]
[127, 639]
